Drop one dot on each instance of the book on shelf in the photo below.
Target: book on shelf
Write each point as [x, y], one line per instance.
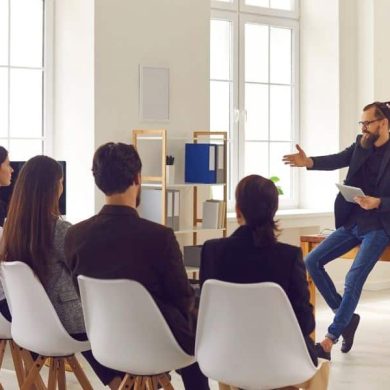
[220, 164]
[151, 205]
[173, 209]
[200, 163]
[213, 214]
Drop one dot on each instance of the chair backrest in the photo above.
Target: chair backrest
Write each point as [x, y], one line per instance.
[126, 329]
[248, 336]
[35, 324]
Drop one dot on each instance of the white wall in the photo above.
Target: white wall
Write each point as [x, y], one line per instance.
[319, 75]
[74, 102]
[173, 33]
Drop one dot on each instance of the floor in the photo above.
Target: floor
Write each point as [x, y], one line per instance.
[367, 366]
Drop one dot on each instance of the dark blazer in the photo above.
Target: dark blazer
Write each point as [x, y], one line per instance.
[236, 259]
[354, 157]
[118, 244]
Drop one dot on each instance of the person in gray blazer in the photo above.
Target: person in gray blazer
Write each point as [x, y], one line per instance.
[34, 233]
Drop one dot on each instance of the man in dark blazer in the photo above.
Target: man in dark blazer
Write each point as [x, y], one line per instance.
[118, 244]
[365, 222]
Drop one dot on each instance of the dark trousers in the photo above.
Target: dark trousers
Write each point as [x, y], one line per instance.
[193, 378]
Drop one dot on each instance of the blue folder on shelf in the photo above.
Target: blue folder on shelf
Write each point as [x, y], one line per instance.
[200, 163]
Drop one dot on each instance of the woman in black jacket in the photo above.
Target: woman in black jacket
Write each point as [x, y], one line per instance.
[252, 253]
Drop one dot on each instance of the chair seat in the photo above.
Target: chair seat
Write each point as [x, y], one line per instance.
[127, 330]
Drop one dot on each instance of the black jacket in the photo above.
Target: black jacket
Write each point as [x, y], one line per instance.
[236, 259]
[118, 244]
[354, 157]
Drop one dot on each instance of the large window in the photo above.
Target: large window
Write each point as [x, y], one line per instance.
[24, 86]
[254, 87]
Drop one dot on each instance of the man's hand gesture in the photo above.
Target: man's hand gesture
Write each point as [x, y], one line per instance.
[298, 159]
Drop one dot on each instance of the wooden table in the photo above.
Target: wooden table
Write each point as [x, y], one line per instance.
[309, 242]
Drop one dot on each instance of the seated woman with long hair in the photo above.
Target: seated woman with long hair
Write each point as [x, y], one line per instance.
[34, 233]
[5, 179]
[252, 254]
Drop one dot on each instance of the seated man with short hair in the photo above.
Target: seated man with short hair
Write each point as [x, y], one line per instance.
[118, 244]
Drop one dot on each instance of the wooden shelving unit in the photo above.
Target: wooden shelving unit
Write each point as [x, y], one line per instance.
[160, 180]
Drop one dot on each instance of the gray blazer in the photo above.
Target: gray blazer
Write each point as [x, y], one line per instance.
[60, 287]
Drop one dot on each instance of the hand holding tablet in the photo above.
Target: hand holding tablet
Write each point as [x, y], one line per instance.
[350, 192]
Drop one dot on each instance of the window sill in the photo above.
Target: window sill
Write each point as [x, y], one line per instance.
[296, 218]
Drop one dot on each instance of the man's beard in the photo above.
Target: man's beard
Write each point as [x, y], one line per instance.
[368, 142]
[138, 199]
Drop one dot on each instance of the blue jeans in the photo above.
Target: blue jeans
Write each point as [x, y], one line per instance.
[372, 244]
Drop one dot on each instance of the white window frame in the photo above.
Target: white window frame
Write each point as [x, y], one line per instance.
[279, 13]
[294, 26]
[47, 69]
[233, 158]
[238, 13]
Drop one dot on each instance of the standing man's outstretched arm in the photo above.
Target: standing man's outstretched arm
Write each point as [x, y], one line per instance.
[298, 159]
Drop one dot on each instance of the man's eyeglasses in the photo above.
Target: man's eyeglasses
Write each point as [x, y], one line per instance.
[365, 124]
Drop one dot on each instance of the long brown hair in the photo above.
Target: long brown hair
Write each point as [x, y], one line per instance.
[257, 199]
[29, 230]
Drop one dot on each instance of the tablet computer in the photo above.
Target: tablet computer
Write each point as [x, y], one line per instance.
[349, 192]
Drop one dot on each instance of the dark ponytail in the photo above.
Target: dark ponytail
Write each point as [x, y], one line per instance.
[257, 200]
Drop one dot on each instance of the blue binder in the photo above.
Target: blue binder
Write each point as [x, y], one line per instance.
[200, 163]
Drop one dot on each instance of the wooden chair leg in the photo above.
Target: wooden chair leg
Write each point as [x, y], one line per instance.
[51, 385]
[18, 362]
[3, 344]
[28, 363]
[127, 382]
[164, 381]
[138, 383]
[61, 378]
[33, 373]
[149, 383]
[79, 373]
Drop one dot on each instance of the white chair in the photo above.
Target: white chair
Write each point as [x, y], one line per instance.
[248, 337]
[36, 327]
[128, 332]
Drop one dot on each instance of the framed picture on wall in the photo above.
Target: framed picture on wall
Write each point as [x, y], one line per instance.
[154, 93]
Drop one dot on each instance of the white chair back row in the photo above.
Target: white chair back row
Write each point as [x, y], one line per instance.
[36, 327]
[247, 335]
[127, 330]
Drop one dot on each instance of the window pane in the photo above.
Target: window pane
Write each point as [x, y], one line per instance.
[282, 4]
[256, 52]
[3, 32]
[26, 103]
[21, 149]
[220, 106]
[278, 168]
[258, 3]
[280, 113]
[220, 44]
[280, 55]
[26, 32]
[256, 158]
[3, 102]
[256, 106]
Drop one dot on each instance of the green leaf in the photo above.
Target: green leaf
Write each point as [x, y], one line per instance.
[275, 179]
